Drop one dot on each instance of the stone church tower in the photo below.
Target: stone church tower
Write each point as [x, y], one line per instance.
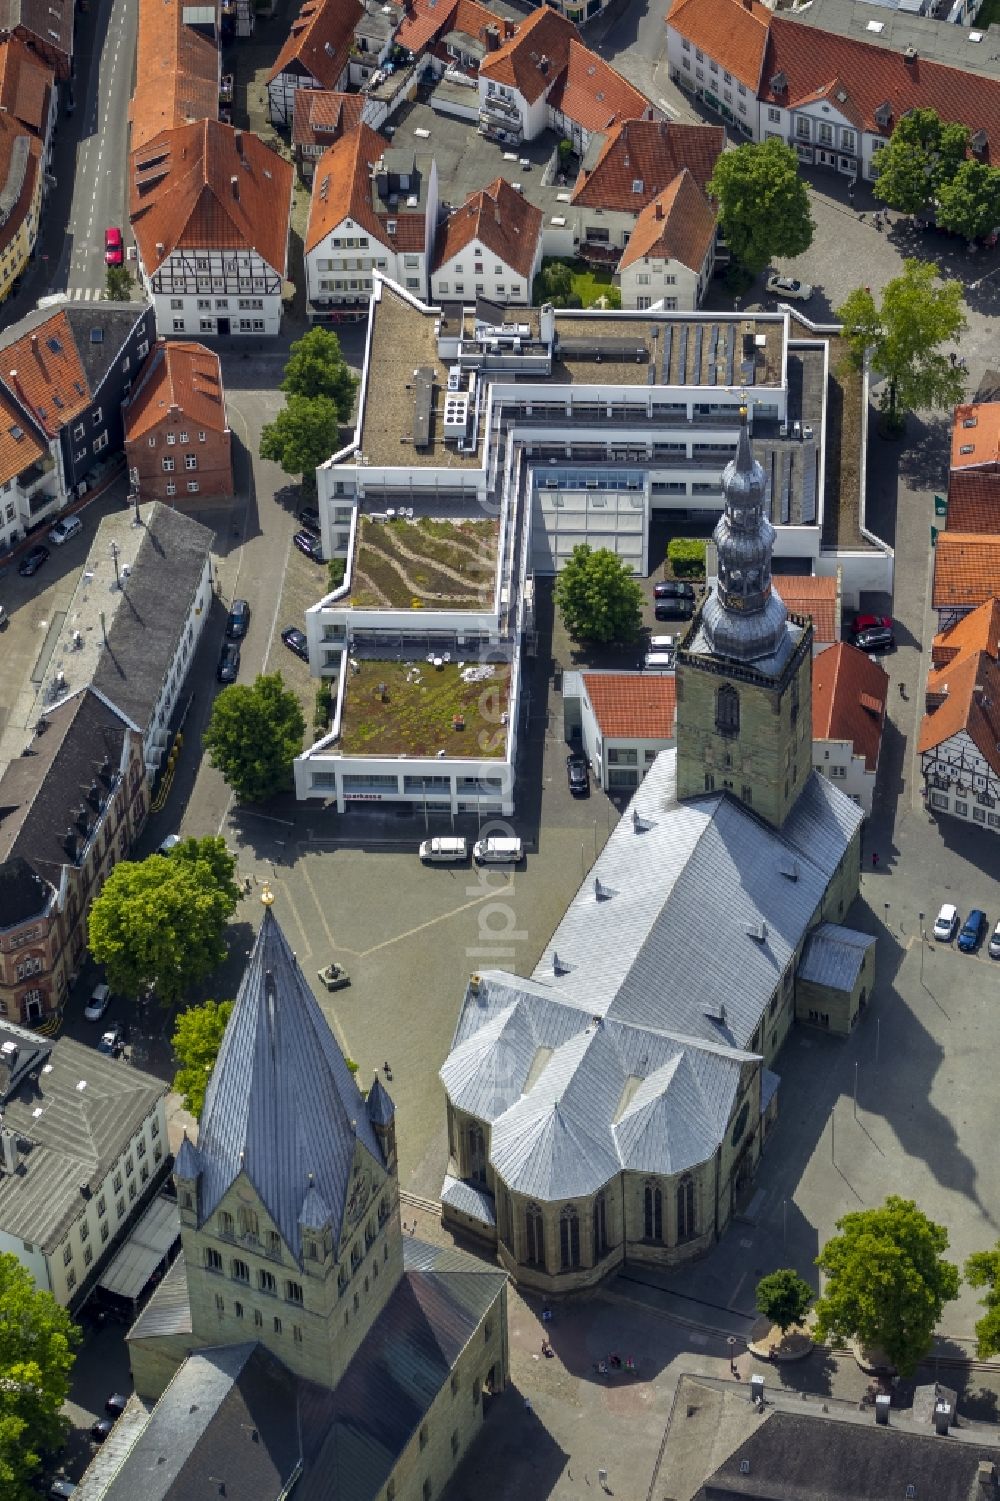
[289, 1204]
[744, 672]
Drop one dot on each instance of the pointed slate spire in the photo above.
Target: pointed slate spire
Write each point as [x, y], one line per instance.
[381, 1110]
[187, 1163]
[282, 1107]
[315, 1212]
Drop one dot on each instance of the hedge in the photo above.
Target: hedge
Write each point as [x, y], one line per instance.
[686, 556]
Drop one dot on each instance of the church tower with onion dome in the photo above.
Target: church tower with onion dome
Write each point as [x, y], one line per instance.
[744, 669]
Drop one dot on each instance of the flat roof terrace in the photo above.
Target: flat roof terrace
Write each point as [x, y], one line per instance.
[425, 563]
[595, 350]
[425, 708]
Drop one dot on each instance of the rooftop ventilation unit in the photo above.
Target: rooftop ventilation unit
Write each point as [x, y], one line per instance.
[456, 414]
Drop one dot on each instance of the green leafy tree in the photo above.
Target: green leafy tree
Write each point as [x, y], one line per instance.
[903, 337]
[37, 1343]
[886, 1281]
[118, 286]
[303, 435]
[196, 1042]
[763, 203]
[921, 157]
[554, 283]
[983, 1270]
[159, 922]
[598, 598]
[253, 737]
[783, 1297]
[316, 367]
[969, 205]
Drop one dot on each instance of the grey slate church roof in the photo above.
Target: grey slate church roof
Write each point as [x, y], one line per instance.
[282, 1105]
[237, 1418]
[833, 956]
[625, 1047]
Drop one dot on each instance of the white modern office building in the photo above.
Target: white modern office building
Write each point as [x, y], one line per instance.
[485, 451]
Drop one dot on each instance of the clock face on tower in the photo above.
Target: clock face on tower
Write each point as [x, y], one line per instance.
[358, 1195]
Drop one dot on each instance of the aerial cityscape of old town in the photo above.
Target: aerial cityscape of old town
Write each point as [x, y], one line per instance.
[499, 750]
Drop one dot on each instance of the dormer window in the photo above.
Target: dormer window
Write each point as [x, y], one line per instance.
[637, 184]
[390, 226]
[779, 84]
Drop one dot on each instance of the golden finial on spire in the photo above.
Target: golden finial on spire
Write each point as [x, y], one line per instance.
[267, 895]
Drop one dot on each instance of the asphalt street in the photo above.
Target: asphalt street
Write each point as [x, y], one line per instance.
[89, 162]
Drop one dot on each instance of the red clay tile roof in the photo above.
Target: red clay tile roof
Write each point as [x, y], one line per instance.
[25, 86]
[975, 435]
[43, 370]
[848, 700]
[501, 219]
[544, 35]
[651, 152]
[975, 632]
[320, 116]
[633, 705]
[319, 42]
[971, 686]
[590, 92]
[811, 595]
[15, 453]
[177, 72]
[185, 375]
[181, 194]
[966, 569]
[730, 31]
[871, 75]
[974, 501]
[20, 163]
[48, 24]
[342, 189]
[678, 225]
[426, 20]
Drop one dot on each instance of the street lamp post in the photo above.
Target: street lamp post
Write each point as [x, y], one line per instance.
[114, 555]
[731, 1342]
[922, 936]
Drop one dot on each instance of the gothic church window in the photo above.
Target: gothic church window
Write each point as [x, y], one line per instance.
[727, 710]
[653, 1205]
[534, 1236]
[685, 1209]
[569, 1239]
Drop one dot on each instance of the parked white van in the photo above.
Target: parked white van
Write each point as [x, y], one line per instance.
[444, 851]
[498, 851]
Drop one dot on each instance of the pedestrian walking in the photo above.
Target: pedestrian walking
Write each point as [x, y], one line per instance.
[874, 859]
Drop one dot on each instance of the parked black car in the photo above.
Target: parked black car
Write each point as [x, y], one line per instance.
[310, 545]
[878, 638]
[33, 560]
[239, 620]
[673, 589]
[296, 641]
[100, 1430]
[577, 774]
[229, 663]
[673, 609]
[309, 517]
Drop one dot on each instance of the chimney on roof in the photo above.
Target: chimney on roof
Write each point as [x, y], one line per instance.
[492, 35]
[543, 65]
[34, 342]
[987, 1476]
[239, 143]
[659, 209]
[748, 4]
[159, 247]
[234, 183]
[910, 54]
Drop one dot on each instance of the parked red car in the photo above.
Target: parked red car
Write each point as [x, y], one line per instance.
[114, 248]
